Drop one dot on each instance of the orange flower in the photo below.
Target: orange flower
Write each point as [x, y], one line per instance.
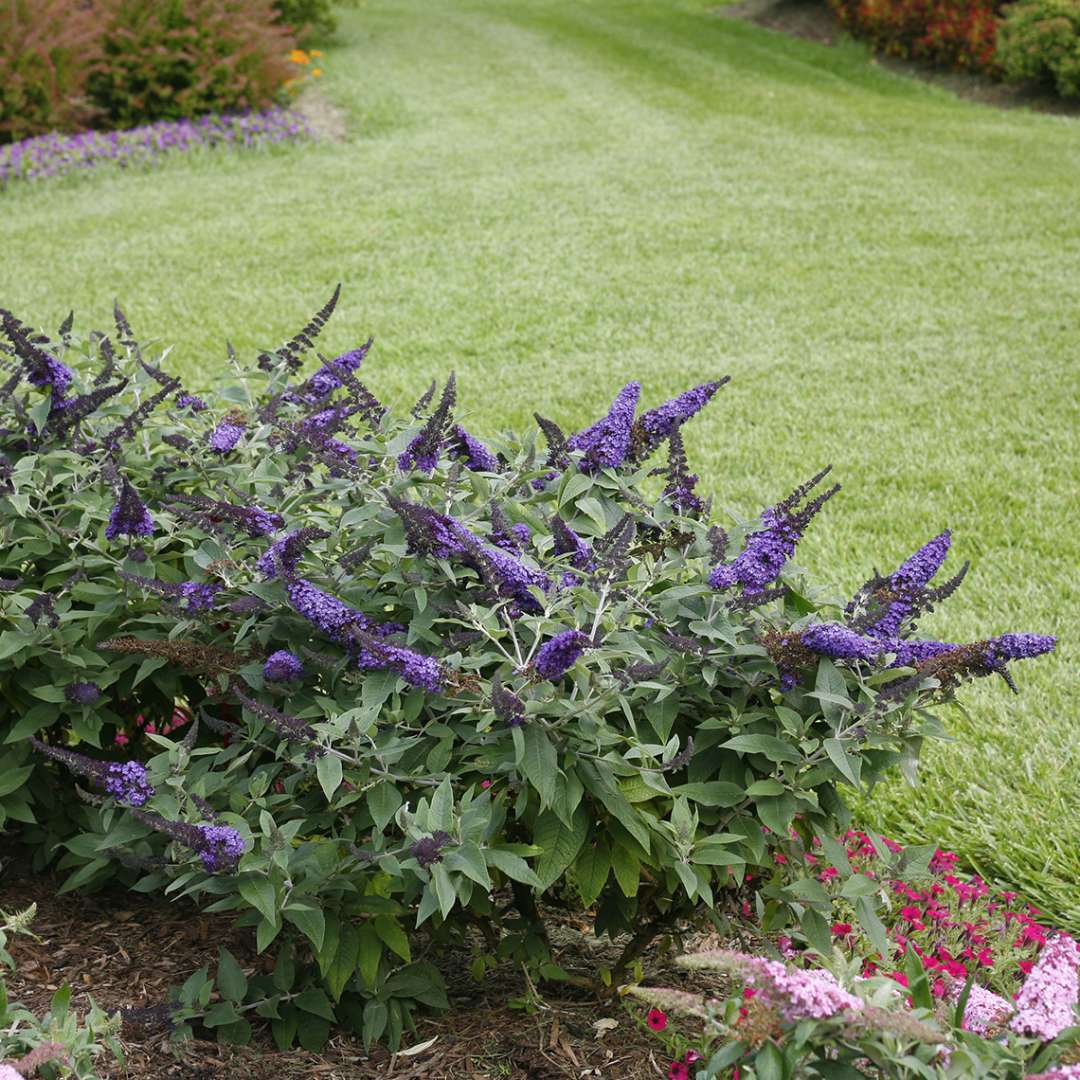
[298, 56]
[316, 52]
[316, 72]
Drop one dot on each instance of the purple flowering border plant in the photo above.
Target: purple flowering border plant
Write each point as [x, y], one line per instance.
[437, 678]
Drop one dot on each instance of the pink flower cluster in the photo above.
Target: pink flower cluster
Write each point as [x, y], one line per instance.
[1046, 1004]
[797, 994]
[180, 718]
[955, 924]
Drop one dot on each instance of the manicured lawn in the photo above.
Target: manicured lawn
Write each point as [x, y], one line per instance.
[554, 198]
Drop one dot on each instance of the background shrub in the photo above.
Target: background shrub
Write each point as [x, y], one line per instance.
[946, 33]
[48, 48]
[438, 683]
[185, 58]
[308, 18]
[1040, 42]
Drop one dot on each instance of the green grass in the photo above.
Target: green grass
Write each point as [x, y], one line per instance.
[554, 198]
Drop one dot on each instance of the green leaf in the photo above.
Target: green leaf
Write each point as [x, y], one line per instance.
[231, 980]
[540, 765]
[591, 869]
[13, 779]
[370, 954]
[830, 689]
[560, 844]
[312, 1031]
[60, 1002]
[259, 892]
[393, 936]
[309, 921]
[859, 885]
[777, 812]
[376, 1015]
[513, 866]
[342, 968]
[468, 859]
[627, 869]
[328, 770]
[237, 1033]
[441, 814]
[224, 1012]
[383, 801]
[918, 984]
[316, 1002]
[869, 921]
[712, 793]
[849, 765]
[816, 931]
[773, 748]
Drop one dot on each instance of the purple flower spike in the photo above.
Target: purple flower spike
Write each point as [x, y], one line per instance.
[129, 515]
[1021, 646]
[840, 643]
[127, 783]
[330, 615]
[190, 402]
[567, 542]
[557, 656]
[283, 666]
[428, 849]
[220, 848]
[477, 456]
[607, 442]
[82, 693]
[415, 668]
[658, 424]
[766, 551]
[225, 436]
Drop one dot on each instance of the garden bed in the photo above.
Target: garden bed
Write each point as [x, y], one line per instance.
[813, 20]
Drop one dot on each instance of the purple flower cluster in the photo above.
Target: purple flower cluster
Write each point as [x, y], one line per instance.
[283, 666]
[219, 847]
[428, 849]
[556, 657]
[567, 542]
[225, 436]
[766, 551]
[329, 614]
[283, 556]
[47, 156]
[82, 693]
[838, 642]
[607, 442]
[1046, 1004]
[127, 783]
[908, 583]
[660, 423]
[476, 455]
[506, 705]
[252, 520]
[191, 402]
[129, 516]
[415, 668]
[985, 1011]
[327, 379]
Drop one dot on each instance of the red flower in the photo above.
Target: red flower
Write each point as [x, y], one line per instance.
[841, 929]
[677, 1070]
[656, 1020]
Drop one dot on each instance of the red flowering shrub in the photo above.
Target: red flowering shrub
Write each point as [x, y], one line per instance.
[186, 58]
[47, 50]
[947, 33]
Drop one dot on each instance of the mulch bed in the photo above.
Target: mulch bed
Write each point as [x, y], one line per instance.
[127, 950]
[812, 20]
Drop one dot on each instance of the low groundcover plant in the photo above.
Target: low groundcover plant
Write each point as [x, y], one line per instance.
[433, 679]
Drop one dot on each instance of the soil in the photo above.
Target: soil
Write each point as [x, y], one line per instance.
[812, 20]
[127, 950]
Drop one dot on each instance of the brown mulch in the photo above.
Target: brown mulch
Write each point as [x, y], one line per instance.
[814, 21]
[127, 950]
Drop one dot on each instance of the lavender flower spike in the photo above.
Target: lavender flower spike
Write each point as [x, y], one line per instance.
[557, 656]
[840, 643]
[654, 426]
[477, 456]
[607, 442]
[129, 515]
[333, 617]
[226, 435]
[415, 668]
[283, 666]
[218, 846]
[567, 542]
[126, 781]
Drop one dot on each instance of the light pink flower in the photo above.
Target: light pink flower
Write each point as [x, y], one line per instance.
[984, 1011]
[8, 1073]
[1046, 1003]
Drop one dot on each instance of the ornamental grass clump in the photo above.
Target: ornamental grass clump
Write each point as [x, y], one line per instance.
[438, 679]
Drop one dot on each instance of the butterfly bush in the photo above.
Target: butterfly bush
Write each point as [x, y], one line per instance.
[430, 678]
